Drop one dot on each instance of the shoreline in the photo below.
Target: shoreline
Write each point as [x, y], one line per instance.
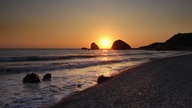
[138, 86]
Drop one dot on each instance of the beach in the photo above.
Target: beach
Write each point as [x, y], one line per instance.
[164, 83]
[95, 54]
[72, 71]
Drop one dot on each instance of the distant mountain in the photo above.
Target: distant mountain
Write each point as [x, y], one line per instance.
[120, 45]
[180, 41]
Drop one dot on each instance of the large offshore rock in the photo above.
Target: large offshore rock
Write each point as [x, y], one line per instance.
[94, 46]
[120, 45]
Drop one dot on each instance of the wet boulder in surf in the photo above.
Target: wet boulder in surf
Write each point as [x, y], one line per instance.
[120, 45]
[31, 78]
[47, 77]
[94, 46]
[102, 79]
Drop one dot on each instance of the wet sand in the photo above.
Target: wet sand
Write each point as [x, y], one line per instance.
[164, 83]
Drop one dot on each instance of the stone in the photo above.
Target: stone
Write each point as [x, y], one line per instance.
[79, 85]
[120, 45]
[94, 46]
[102, 79]
[47, 77]
[31, 78]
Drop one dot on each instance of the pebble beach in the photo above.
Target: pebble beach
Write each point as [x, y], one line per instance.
[163, 83]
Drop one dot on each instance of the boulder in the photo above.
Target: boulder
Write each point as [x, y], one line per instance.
[94, 46]
[47, 77]
[102, 79]
[79, 85]
[120, 45]
[31, 78]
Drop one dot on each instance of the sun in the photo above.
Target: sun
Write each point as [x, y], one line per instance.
[105, 43]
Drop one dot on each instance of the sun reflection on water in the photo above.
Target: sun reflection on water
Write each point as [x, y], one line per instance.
[105, 59]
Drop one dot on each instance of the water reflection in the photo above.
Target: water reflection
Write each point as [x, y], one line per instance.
[105, 59]
[31, 87]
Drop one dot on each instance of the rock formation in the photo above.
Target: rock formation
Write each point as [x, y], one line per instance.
[94, 46]
[47, 77]
[102, 79]
[84, 48]
[158, 46]
[180, 41]
[31, 78]
[120, 45]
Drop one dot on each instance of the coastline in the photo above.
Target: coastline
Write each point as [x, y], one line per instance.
[165, 82]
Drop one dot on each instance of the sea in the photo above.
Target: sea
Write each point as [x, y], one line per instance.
[72, 70]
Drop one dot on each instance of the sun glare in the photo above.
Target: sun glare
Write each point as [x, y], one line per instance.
[105, 43]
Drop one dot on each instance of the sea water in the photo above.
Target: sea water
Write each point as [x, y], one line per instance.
[72, 70]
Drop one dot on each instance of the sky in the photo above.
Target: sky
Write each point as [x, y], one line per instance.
[78, 23]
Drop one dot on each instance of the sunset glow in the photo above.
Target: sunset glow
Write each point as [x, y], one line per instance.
[105, 43]
[77, 23]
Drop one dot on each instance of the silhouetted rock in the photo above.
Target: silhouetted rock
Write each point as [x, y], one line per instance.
[158, 47]
[84, 48]
[31, 78]
[47, 77]
[94, 46]
[79, 85]
[180, 41]
[102, 79]
[120, 45]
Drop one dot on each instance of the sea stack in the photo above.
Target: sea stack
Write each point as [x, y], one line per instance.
[94, 46]
[120, 45]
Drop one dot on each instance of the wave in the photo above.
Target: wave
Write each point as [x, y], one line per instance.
[49, 58]
[60, 66]
[43, 58]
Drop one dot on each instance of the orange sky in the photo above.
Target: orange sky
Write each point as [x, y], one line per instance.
[75, 23]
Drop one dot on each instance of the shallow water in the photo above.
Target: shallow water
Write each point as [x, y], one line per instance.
[69, 68]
